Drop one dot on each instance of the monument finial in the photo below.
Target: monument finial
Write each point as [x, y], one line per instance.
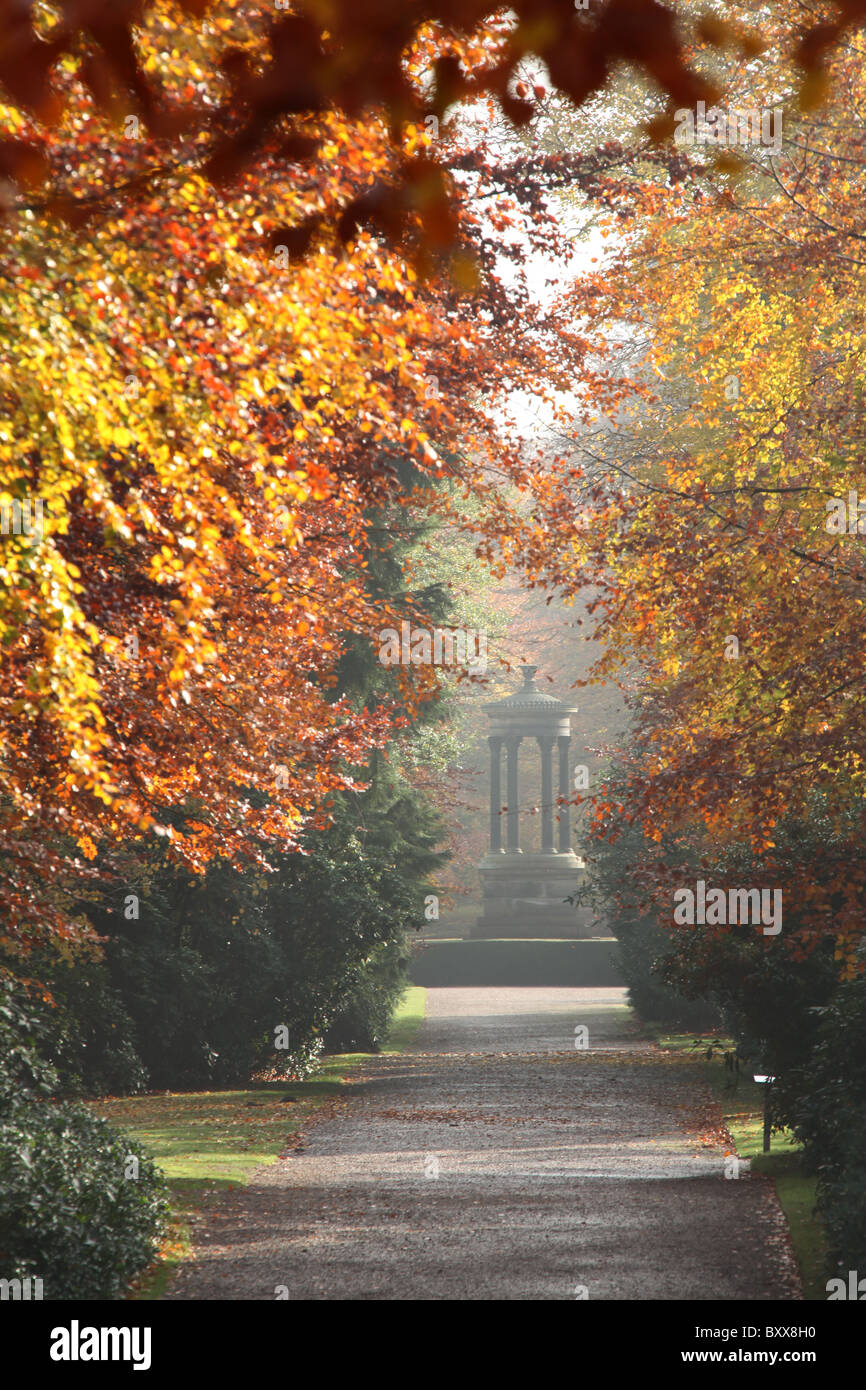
[528, 677]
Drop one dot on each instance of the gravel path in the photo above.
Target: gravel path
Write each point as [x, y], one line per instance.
[495, 1160]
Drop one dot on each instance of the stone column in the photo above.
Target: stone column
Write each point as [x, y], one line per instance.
[545, 743]
[512, 744]
[495, 794]
[564, 742]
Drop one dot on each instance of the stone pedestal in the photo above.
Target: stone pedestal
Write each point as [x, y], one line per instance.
[525, 898]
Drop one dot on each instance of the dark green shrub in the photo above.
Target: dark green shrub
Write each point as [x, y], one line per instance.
[645, 949]
[216, 964]
[824, 1101]
[81, 1207]
[88, 1034]
[362, 1023]
[643, 955]
[25, 1075]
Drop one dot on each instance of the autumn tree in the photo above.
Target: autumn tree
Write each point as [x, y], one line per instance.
[198, 427]
[408, 61]
[709, 515]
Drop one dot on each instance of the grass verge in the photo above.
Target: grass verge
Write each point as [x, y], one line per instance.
[743, 1110]
[408, 1017]
[208, 1142]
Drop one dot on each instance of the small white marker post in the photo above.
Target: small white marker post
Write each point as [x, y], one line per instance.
[766, 1081]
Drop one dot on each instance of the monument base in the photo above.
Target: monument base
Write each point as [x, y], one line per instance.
[535, 928]
[524, 896]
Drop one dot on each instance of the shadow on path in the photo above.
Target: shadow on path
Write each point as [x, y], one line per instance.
[494, 1160]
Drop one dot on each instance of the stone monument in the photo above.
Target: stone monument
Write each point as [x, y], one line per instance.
[523, 893]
